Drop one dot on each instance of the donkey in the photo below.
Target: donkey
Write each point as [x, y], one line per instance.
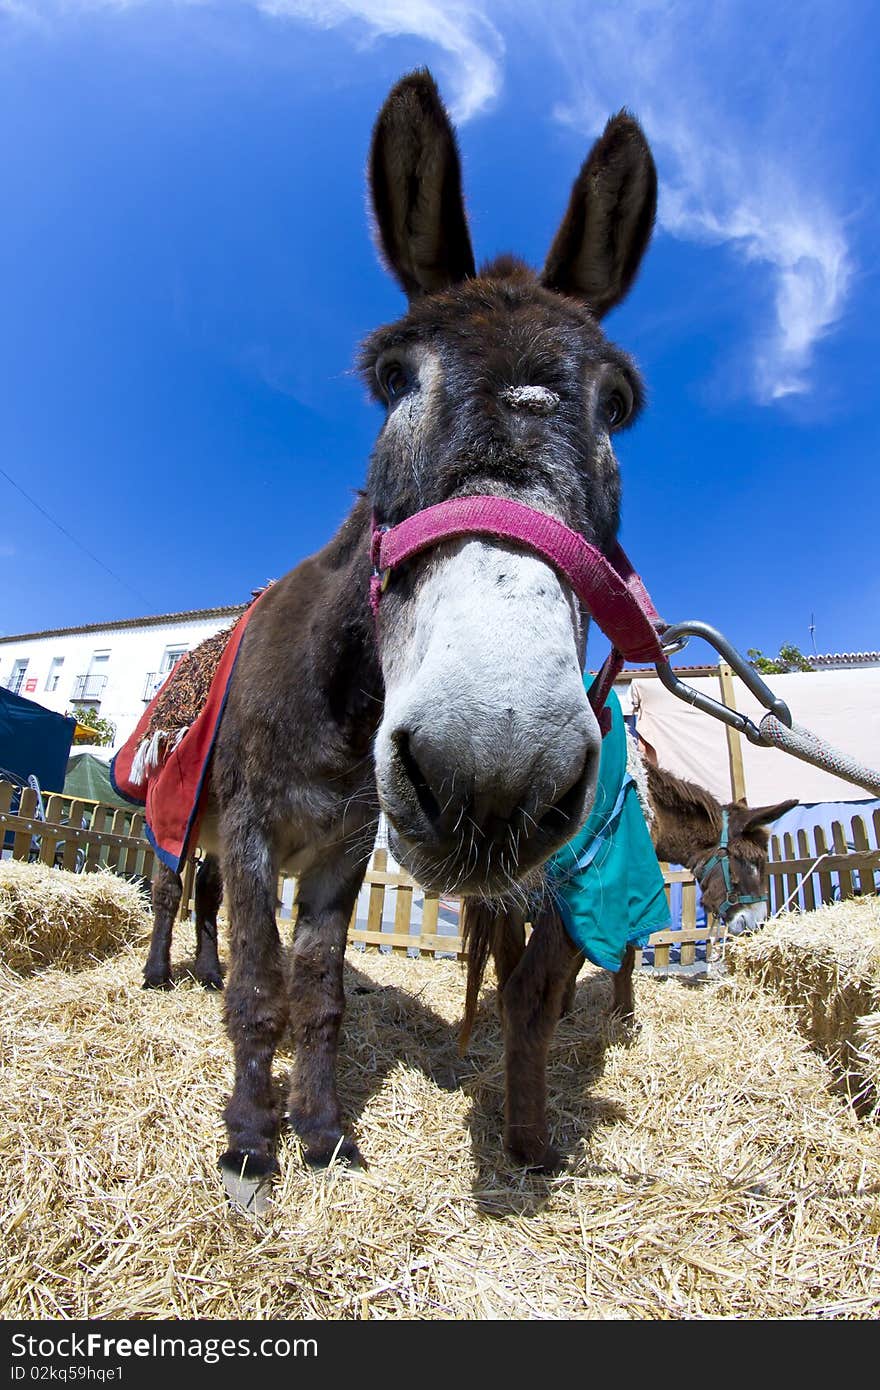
[691, 827]
[459, 708]
[724, 846]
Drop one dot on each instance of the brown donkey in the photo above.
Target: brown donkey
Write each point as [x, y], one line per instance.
[691, 827]
[460, 710]
[724, 846]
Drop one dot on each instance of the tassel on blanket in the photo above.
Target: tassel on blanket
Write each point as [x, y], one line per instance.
[178, 703]
[181, 699]
[152, 753]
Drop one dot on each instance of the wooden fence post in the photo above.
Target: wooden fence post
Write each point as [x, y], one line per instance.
[734, 741]
[795, 871]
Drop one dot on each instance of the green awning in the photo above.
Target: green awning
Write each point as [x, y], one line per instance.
[89, 777]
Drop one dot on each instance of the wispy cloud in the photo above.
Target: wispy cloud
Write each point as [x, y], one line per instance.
[722, 91]
[724, 114]
[471, 47]
[460, 30]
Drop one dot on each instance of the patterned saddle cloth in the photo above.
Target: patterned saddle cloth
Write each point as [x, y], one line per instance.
[164, 765]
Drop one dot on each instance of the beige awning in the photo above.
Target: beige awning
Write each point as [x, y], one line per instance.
[840, 706]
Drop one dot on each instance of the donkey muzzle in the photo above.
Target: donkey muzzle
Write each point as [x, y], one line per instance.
[468, 813]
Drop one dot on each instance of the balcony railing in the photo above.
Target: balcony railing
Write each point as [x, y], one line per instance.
[152, 684]
[89, 687]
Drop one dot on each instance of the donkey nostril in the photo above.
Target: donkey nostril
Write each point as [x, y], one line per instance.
[425, 797]
[558, 818]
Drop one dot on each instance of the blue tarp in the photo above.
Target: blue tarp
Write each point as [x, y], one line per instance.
[33, 742]
[824, 813]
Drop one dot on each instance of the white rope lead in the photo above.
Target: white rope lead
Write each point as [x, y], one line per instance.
[801, 881]
[812, 749]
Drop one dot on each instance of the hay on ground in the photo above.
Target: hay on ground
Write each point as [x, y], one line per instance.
[866, 1048]
[826, 965]
[49, 916]
[711, 1172]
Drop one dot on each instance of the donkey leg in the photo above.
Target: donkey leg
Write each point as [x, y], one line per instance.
[624, 1004]
[570, 985]
[209, 895]
[532, 1001]
[508, 945]
[166, 894]
[317, 1000]
[255, 1014]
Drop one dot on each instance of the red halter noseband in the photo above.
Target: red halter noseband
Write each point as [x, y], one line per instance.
[607, 585]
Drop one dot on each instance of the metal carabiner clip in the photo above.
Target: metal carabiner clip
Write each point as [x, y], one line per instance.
[676, 637]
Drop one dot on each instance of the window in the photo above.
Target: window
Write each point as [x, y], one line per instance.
[16, 680]
[156, 679]
[172, 655]
[91, 685]
[54, 675]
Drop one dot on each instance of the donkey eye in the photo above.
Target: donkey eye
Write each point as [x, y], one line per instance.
[394, 380]
[618, 407]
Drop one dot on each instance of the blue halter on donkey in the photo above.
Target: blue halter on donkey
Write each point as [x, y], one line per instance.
[721, 856]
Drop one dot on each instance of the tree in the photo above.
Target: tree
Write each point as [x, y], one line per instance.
[104, 728]
[790, 658]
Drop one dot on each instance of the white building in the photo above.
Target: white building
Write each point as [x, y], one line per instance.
[113, 669]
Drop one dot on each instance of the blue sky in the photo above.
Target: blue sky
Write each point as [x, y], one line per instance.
[186, 271]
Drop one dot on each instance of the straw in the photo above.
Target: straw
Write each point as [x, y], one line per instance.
[826, 966]
[712, 1171]
[50, 916]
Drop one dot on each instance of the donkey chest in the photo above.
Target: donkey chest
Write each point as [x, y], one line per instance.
[302, 838]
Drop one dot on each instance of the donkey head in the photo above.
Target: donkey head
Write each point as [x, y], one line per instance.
[499, 382]
[741, 903]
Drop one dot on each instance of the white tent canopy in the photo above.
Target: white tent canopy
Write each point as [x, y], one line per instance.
[841, 706]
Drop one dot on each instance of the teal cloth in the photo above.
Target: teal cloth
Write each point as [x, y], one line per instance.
[607, 881]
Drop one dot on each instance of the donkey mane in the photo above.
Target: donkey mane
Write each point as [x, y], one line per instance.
[507, 266]
[679, 795]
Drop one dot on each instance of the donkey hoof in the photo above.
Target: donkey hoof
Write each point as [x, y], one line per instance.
[547, 1161]
[322, 1153]
[550, 1162]
[625, 1024]
[156, 981]
[210, 980]
[247, 1178]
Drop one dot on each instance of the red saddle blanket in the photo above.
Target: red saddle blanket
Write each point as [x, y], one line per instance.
[174, 792]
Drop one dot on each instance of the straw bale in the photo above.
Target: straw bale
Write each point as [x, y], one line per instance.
[826, 966]
[49, 916]
[866, 1048]
[711, 1171]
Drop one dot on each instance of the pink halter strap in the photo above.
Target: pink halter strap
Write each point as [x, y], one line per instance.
[607, 585]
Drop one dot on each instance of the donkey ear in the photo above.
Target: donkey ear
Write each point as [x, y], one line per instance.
[415, 181]
[607, 227]
[753, 816]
